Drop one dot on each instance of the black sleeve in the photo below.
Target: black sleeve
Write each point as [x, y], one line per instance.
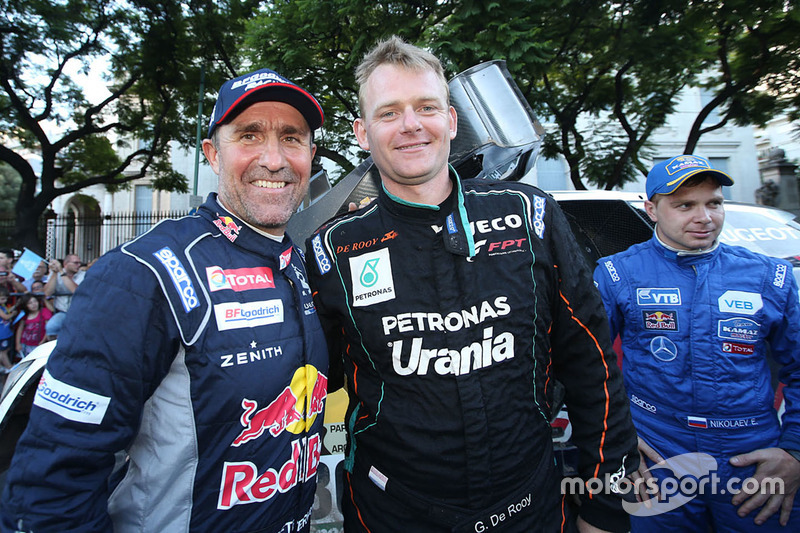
[585, 362]
[331, 325]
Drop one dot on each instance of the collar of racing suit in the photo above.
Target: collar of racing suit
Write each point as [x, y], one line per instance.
[449, 217]
[685, 256]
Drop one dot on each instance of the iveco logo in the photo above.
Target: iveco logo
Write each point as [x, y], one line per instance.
[663, 349]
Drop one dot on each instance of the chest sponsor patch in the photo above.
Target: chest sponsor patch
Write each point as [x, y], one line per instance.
[239, 279]
[658, 296]
[738, 329]
[660, 320]
[740, 302]
[738, 348]
[70, 402]
[235, 315]
[371, 275]
[663, 348]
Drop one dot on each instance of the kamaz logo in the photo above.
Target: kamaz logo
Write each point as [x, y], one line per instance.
[658, 296]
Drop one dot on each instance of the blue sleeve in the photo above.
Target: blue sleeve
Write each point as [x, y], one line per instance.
[112, 353]
[602, 279]
[785, 344]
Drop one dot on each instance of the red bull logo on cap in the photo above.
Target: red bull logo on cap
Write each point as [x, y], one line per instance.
[294, 410]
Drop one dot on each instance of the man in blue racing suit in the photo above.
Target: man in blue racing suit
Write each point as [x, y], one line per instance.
[696, 317]
[193, 355]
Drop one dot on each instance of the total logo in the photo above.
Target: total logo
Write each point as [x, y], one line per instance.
[294, 410]
[239, 279]
[738, 348]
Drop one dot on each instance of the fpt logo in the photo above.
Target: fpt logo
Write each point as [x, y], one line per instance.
[658, 296]
[294, 410]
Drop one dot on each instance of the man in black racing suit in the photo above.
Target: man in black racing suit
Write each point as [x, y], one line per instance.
[460, 305]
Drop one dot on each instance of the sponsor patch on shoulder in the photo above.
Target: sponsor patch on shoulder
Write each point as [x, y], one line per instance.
[612, 271]
[539, 204]
[780, 275]
[321, 257]
[70, 402]
[180, 278]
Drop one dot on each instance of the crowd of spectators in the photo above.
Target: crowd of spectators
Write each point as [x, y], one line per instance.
[32, 309]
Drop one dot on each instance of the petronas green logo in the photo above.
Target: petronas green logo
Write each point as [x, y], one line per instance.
[369, 276]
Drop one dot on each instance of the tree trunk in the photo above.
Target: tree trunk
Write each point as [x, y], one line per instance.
[26, 231]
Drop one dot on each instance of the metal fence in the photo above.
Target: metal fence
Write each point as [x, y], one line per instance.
[89, 237]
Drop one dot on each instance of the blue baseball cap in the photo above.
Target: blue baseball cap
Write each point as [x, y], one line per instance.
[259, 86]
[667, 176]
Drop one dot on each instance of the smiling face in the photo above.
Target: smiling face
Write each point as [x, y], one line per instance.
[263, 159]
[691, 218]
[407, 125]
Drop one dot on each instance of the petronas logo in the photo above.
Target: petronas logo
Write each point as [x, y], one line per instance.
[369, 275]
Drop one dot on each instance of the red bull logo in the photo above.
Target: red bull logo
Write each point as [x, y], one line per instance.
[242, 483]
[661, 320]
[294, 410]
[228, 227]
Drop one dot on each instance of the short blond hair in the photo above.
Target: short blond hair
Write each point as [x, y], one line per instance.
[395, 51]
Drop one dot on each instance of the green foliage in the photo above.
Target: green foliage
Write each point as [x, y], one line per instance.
[156, 53]
[10, 181]
[319, 44]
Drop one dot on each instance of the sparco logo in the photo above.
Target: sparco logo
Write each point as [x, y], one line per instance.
[611, 271]
[323, 262]
[643, 404]
[179, 278]
[780, 276]
[447, 361]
